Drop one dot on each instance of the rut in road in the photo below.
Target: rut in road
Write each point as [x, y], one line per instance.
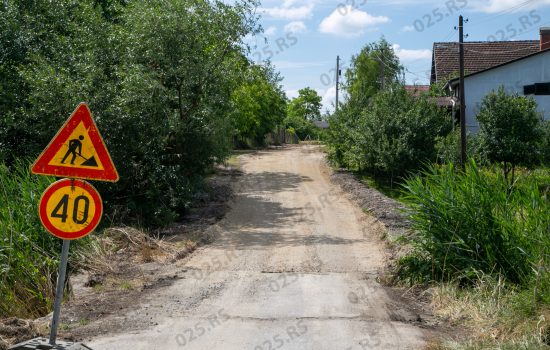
[294, 266]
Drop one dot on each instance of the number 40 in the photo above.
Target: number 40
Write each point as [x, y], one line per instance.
[60, 210]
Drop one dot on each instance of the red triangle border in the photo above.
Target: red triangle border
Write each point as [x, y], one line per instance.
[81, 114]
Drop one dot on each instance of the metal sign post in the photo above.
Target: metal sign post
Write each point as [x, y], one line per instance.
[71, 208]
[59, 290]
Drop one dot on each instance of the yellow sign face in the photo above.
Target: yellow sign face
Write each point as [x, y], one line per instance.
[78, 151]
[70, 209]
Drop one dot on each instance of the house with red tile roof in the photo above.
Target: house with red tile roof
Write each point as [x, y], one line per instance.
[478, 56]
[521, 67]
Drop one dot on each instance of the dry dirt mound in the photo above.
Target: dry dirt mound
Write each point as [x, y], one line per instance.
[15, 330]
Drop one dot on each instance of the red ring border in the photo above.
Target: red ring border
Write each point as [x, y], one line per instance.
[42, 210]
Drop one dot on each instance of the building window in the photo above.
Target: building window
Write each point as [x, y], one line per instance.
[537, 89]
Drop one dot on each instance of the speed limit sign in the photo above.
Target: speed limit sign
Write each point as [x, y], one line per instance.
[70, 209]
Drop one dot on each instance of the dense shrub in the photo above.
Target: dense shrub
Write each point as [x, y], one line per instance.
[448, 148]
[469, 222]
[546, 144]
[158, 76]
[395, 134]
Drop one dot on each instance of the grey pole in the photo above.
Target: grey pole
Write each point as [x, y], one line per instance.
[59, 290]
[463, 155]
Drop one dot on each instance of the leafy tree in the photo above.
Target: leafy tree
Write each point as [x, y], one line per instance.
[259, 104]
[302, 111]
[375, 66]
[306, 106]
[510, 130]
[350, 144]
[47, 66]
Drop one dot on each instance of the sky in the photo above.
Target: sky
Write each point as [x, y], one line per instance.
[303, 37]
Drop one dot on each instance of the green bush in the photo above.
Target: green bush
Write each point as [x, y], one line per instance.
[28, 254]
[469, 222]
[397, 133]
[511, 130]
[158, 76]
[546, 144]
[448, 148]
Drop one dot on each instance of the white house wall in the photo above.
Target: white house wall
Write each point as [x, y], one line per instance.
[513, 76]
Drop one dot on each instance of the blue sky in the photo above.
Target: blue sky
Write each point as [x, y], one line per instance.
[305, 36]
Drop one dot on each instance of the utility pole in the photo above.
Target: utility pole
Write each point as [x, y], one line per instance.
[463, 155]
[337, 79]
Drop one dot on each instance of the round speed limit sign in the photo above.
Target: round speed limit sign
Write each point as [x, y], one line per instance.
[70, 209]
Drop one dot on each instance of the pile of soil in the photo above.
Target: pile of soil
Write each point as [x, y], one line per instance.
[15, 330]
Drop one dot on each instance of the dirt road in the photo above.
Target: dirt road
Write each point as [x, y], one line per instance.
[294, 267]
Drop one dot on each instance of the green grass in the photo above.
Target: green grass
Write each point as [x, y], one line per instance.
[392, 189]
[486, 249]
[466, 223]
[126, 285]
[28, 254]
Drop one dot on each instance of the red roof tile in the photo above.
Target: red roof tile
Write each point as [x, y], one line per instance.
[417, 90]
[478, 56]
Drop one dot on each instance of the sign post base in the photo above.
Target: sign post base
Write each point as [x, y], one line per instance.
[59, 291]
[43, 344]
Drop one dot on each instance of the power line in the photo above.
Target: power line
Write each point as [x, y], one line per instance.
[501, 13]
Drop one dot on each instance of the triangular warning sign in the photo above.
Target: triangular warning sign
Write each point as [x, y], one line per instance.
[77, 151]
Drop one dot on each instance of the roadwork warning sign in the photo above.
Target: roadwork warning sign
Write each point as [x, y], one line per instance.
[77, 151]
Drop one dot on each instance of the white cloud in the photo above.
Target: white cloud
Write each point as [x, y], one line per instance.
[288, 11]
[412, 55]
[270, 31]
[408, 29]
[296, 27]
[349, 23]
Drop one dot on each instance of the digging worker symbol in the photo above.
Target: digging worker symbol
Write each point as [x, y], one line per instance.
[75, 149]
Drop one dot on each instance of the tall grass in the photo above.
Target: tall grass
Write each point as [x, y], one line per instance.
[467, 223]
[28, 254]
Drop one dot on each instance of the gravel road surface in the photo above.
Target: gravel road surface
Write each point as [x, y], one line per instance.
[294, 266]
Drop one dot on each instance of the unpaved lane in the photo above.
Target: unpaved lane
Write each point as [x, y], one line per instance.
[293, 267]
